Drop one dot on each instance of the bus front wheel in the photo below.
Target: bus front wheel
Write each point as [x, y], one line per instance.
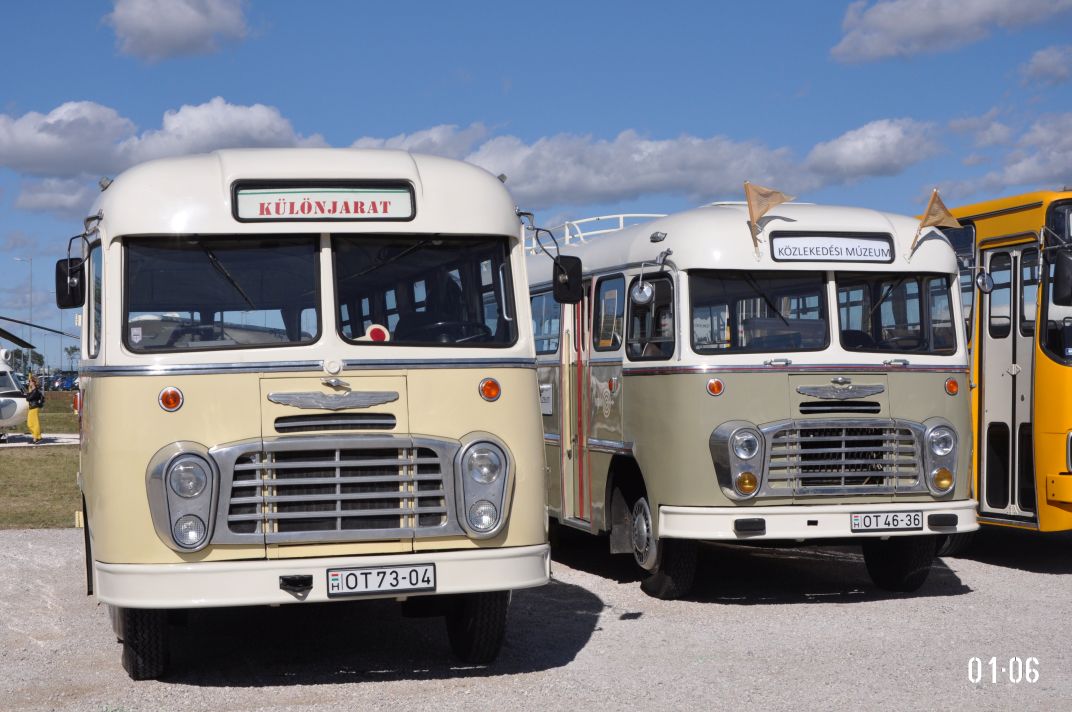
[671, 562]
[143, 633]
[899, 564]
[476, 626]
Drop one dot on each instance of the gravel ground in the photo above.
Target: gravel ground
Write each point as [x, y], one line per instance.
[774, 628]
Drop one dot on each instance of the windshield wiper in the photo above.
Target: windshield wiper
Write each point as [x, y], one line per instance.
[755, 288]
[885, 296]
[215, 261]
[383, 263]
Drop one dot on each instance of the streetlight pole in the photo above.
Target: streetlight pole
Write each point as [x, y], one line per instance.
[29, 330]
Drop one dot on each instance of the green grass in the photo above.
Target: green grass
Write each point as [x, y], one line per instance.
[37, 487]
[56, 417]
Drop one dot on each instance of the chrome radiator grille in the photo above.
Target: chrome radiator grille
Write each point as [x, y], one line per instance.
[313, 490]
[849, 457]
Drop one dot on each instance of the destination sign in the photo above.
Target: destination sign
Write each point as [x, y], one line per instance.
[831, 248]
[323, 203]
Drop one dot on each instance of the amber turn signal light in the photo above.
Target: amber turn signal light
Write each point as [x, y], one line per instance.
[170, 399]
[490, 390]
[715, 386]
[951, 386]
[746, 483]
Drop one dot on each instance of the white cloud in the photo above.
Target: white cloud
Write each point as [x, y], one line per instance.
[574, 170]
[443, 140]
[1044, 155]
[880, 148]
[902, 28]
[986, 130]
[65, 197]
[65, 142]
[82, 138]
[213, 125]
[159, 29]
[1052, 65]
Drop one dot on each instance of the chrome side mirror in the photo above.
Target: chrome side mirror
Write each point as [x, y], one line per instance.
[984, 282]
[641, 293]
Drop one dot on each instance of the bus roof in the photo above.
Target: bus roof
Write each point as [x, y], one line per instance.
[194, 194]
[718, 237]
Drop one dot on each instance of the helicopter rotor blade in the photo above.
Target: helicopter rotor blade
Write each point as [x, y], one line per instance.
[38, 326]
[5, 334]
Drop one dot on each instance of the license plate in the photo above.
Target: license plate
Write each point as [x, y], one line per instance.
[887, 521]
[381, 579]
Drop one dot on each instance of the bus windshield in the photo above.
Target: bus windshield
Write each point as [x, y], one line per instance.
[764, 311]
[751, 312]
[208, 293]
[424, 290]
[895, 313]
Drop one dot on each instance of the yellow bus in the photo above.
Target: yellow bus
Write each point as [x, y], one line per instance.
[307, 375]
[1021, 335]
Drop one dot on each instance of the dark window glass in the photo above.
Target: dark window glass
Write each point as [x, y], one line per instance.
[895, 313]
[1029, 284]
[96, 295]
[546, 315]
[651, 326]
[425, 290]
[209, 293]
[761, 311]
[997, 466]
[609, 314]
[1025, 476]
[999, 309]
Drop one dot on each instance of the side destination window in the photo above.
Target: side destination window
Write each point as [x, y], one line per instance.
[651, 326]
[95, 294]
[546, 322]
[609, 320]
[1000, 313]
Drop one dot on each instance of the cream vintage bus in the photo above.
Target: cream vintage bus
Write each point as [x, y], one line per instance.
[307, 375]
[810, 386]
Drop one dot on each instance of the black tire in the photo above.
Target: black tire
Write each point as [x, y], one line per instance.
[900, 564]
[675, 571]
[955, 544]
[144, 636]
[476, 626]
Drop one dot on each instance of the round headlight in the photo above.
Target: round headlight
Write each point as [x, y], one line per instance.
[482, 516]
[484, 463]
[188, 477]
[189, 530]
[745, 445]
[942, 441]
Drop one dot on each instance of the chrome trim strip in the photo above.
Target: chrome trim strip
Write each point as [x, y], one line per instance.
[819, 368]
[333, 401]
[605, 361]
[202, 368]
[198, 369]
[367, 364]
[614, 447]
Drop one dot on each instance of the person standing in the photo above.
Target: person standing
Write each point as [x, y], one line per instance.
[34, 399]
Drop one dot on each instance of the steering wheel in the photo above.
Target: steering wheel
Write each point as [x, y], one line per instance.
[448, 327]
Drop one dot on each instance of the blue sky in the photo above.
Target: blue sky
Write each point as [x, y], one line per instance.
[589, 108]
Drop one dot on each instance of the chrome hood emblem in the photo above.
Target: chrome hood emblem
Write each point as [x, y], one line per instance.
[332, 401]
[840, 392]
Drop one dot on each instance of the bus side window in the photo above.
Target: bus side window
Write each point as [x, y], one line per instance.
[546, 322]
[1029, 281]
[95, 294]
[999, 308]
[609, 314]
[651, 326]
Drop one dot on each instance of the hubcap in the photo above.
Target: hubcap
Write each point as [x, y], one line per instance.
[643, 535]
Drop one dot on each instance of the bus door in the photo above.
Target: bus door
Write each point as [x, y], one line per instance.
[576, 327]
[1006, 367]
